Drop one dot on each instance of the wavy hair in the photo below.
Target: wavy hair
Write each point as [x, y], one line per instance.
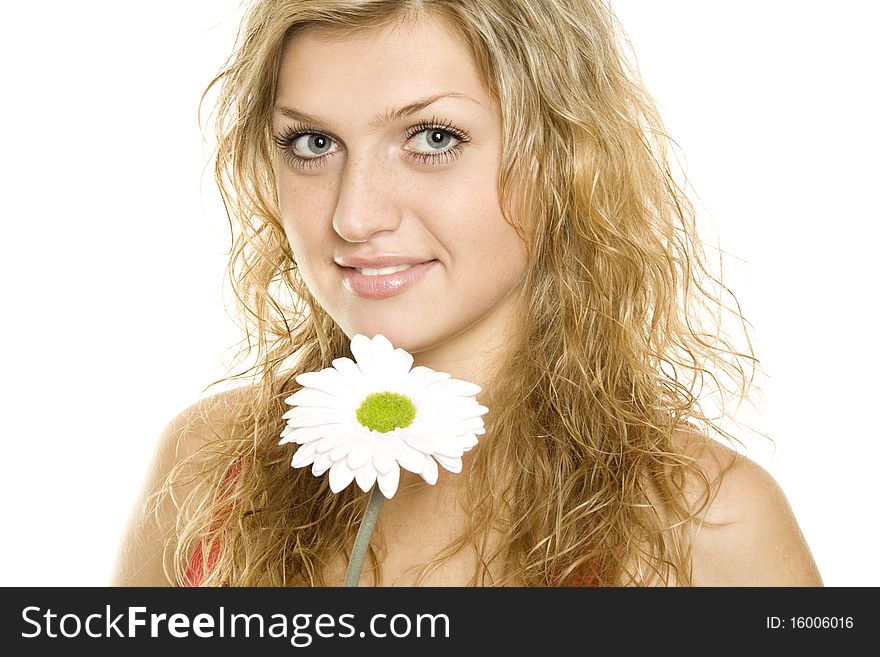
[619, 334]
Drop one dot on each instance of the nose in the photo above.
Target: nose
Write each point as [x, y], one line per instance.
[366, 200]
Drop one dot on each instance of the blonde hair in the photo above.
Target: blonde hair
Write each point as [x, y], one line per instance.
[607, 364]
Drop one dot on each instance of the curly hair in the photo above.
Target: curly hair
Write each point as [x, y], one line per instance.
[618, 337]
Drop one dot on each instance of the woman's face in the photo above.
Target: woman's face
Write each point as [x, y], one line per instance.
[389, 148]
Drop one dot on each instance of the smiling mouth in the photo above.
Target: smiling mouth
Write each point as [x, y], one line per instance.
[386, 281]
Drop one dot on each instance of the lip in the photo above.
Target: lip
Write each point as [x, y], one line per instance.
[387, 285]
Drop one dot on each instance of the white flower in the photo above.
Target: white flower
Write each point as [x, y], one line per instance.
[365, 420]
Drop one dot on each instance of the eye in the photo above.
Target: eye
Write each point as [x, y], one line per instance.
[432, 139]
[436, 142]
[311, 145]
[304, 149]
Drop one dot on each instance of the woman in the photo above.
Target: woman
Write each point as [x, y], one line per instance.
[504, 151]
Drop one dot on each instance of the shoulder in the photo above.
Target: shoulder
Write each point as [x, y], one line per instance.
[747, 534]
[142, 559]
[205, 422]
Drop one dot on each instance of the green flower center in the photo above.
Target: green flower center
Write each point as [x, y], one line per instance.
[386, 411]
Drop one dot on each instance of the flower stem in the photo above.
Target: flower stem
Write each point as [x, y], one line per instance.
[362, 541]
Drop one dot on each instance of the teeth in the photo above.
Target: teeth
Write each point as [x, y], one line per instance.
[384, 270]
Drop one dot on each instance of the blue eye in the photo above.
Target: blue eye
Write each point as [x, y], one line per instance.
[311, 145]
[436, 142]
[303, 148]
[435, 139]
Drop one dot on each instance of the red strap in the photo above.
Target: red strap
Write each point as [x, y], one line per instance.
[195, 571]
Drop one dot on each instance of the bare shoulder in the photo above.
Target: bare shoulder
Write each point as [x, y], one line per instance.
[141, 559]
[747, 534]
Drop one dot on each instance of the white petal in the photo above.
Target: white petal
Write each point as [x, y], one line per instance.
[383, 458]
[418, 375]
[361, 453]
[383, 353]
[403, 361]
[310, 411]
[327, 380]
[321, 432]
[352, 374]
[322, 464]
[439, 405]
[418, 441]
[451, 447]
[456, 388]
[408, 458]
[435, 426]
[339, 452]
[366, 477]
[465, 412]
[312, 397]
[304, 435]
[361, 349]
[467, 441]
[340, 476]
[334, 440]
[429, 472]
[388, 482]
[304, 456]
[451, 464]
[443, 406]
[464, 426]
[433, 378]
[451, 436]
[312, 419]
[285, 436]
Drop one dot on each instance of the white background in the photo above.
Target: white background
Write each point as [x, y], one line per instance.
[114, 246]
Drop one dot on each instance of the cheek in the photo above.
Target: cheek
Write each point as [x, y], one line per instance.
[488, 259]
[475, 231]
[303, 204]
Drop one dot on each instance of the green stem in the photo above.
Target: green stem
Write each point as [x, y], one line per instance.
[362, 542]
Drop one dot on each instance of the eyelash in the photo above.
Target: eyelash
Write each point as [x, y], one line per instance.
[285, 140]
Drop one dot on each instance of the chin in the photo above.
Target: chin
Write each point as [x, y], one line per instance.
[408, 334]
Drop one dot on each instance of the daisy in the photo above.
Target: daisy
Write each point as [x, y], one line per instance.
[365, 419]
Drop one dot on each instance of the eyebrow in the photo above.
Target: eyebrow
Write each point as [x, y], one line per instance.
[387, 117]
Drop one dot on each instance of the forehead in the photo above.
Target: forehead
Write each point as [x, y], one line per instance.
[377, 68]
